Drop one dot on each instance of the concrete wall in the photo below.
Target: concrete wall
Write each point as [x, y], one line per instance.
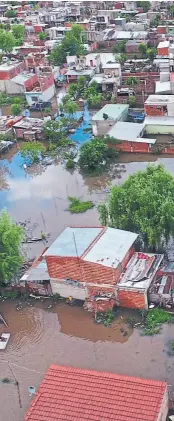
[164, 408]
[11, 87]
[100, 128]
[66, 290]
[48, 93]
[159, 129]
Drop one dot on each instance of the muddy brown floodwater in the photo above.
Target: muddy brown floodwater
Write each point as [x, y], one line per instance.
[69, 336]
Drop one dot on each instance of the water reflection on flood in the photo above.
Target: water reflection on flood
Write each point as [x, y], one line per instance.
[40, 194]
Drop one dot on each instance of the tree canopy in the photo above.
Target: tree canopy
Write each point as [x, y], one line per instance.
[7, 41]
[32, 150]
[145, 5]
[143, 204]
[16, 109]
[18, 31]
[10, 13]
[94, 152]
[142, 48]
[10, 247]
[71, 45]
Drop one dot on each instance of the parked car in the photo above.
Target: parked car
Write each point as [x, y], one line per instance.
[39, 106]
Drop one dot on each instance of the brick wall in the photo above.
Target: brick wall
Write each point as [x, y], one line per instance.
[153, 110]
[131, 299]
[163, 51]
[78, 269]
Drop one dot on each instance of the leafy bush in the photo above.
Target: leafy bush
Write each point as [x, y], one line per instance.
[32, 151]
[70, 164]
[78, 206]
[154, 320]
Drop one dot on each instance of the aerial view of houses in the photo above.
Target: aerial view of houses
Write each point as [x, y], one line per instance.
[87, 210]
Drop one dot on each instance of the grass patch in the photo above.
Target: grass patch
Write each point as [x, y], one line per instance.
[154, 320]
[78, 206]
[105, 317]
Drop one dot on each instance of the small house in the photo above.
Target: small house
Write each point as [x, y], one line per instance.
[29, 129]
[69, 393]
[105, 118]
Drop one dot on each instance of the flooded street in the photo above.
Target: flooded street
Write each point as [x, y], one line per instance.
[67, 335]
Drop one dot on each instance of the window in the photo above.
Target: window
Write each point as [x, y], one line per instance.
[34, 98]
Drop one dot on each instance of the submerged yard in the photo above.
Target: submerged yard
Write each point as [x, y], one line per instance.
[68, 335]
[63, 334]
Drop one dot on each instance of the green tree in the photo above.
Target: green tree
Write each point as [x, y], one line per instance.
[70, 107]
[143, 204]
[55, 131]
[42, 36]
[10, 13]
[32, 150]
[11, 236]
[145, 5]
[73, 89]
[94, 100]
[151, 53]
[120, 47]
[142, 48]
[132, 100]
[16, 109]
[77, 31]
[121, 58]
[18, 31]
[7, 41]
[132, 81]
[92, 153]
[70, 46]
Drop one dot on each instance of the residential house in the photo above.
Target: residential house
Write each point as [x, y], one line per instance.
[29, 129]
[159, 105]
[131, 137]
[68, 393]
[163, 48]
[105, 118]
[89, 264]
[43, 90]
[8, 71]
[110, 79]
[82, 66]
[132, 46]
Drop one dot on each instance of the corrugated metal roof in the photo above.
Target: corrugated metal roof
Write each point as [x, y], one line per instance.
[114, 111]
[37, 273]
[111, 247]
[126, 131]
[72, 238]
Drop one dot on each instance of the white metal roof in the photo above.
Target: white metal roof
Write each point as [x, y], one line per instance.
[73, 242]
[162, 87]
[114, 111]
[163, 44]
[111, 247]
[126, 131]
[112, 66]
[159, 99]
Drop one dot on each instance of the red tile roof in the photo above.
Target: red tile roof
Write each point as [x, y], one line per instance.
[77, 269]
[71, 394]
